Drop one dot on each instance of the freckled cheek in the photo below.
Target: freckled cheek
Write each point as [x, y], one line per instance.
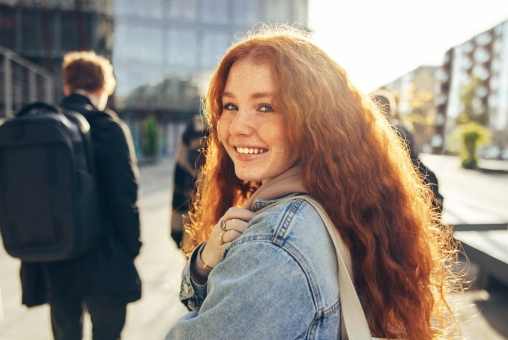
[222, 131]
[286, 153]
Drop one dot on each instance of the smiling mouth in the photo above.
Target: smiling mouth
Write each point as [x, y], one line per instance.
[247, 151]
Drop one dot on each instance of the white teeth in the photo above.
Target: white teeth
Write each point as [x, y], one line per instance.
[250, 150]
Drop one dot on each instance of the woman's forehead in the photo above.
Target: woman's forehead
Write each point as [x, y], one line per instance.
[250, 77]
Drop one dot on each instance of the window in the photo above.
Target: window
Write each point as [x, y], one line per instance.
[300, 11]
[481, 55]
[246, 12]
[216, 11]
[214, 47]
[184, 10]
[278, 11]
[181, 48]
[483, 39]
[138, 44]
[481, 72]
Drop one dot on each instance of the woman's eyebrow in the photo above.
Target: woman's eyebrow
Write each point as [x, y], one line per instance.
[228, 94]
[259, 95]
[256, 95]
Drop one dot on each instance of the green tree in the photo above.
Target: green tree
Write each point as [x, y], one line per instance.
[149, 142]
[470, 136]
[471, 132]
[473, 110]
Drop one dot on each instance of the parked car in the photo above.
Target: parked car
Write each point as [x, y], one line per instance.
[490, 152]
[504, 154]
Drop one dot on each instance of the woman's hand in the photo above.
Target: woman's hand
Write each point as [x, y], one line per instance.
[230, 227]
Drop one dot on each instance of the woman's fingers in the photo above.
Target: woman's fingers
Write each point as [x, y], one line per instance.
[234, 224]
[238, 213]
[230, 227]
[228, 236]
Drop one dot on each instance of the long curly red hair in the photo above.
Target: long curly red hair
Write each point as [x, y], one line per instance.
[352, 162]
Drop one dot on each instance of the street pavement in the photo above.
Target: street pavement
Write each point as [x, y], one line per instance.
[470, 197]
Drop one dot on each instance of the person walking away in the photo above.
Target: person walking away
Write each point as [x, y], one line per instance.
[103, 280]
[189, 160]
[386, 101]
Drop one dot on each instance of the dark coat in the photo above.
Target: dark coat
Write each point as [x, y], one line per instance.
[107, 271]
[189, 160]
[429, 177]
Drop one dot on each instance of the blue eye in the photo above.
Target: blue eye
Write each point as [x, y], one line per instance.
[230, 107]
[265, 108]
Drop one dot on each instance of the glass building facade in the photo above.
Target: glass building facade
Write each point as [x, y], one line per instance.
[156, 39]
[43, 31]
[162, 50]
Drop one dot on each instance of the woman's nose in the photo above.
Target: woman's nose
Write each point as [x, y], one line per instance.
[241, 123]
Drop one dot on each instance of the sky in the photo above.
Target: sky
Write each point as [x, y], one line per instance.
[378, 41]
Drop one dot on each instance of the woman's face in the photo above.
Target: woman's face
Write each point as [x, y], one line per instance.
[250, 128]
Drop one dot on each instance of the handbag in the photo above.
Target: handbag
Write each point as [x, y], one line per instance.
[354, 324]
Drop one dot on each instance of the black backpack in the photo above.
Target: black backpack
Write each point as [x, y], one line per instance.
[48, 199]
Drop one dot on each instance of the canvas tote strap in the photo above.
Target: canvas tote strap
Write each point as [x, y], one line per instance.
[355, 322]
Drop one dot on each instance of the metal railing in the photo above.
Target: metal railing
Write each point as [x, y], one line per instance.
[22, 82]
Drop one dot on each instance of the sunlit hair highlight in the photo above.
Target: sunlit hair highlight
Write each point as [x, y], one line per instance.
[353, 162]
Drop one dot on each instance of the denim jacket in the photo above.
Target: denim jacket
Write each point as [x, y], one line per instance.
[276, 281]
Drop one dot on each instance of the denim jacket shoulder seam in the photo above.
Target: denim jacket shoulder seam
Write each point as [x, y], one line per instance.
[280, 231]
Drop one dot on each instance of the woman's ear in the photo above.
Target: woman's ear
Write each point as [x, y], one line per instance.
[67, 90]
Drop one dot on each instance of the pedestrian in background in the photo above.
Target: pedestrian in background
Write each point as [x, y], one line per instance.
[386, 101]
[188, 162]
[103, 280]
[286, 121]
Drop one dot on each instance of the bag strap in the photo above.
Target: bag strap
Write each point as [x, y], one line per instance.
[37, 106]
[355, 322]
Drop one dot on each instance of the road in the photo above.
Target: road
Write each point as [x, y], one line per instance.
[470, 197]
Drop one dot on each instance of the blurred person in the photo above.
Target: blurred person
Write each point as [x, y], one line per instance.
[103, 280]
[386, 100]
[285, 121]
[189, 160]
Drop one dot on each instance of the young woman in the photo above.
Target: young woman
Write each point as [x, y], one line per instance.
[286, 120]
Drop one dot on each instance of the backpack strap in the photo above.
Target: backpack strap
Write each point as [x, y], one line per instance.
[355, 324]
[39, 107]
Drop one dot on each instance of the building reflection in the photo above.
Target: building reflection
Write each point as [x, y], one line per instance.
[162, 50]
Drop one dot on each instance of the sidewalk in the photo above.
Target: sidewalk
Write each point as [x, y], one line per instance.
[160, 264]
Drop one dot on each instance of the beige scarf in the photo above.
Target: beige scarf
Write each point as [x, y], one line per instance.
[281, 185]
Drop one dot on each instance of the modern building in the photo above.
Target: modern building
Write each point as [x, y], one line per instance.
[43, 31]
[415, 93]
[483, 60]
[22, 82]
[157, 39]
[162, 50]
